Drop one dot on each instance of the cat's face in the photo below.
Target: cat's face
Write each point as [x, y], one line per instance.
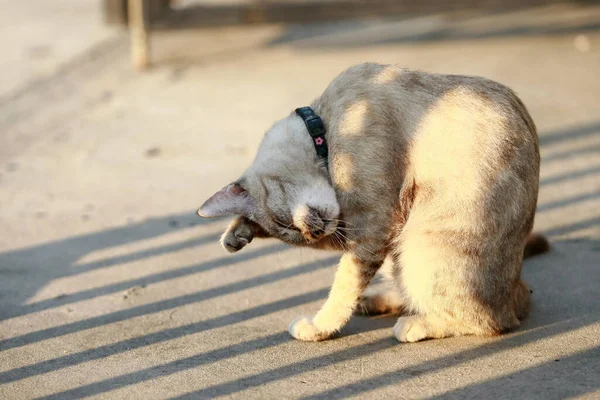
[286, 191]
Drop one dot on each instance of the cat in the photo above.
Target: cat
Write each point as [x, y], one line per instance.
[435, 175]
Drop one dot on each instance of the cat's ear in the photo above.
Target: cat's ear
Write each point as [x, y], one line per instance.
[231, 200]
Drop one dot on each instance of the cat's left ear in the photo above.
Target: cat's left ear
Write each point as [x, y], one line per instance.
[231, 200]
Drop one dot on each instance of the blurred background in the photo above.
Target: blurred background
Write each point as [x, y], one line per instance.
[119, 118]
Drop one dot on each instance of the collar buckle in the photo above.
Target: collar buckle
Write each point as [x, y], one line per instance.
[316, 129]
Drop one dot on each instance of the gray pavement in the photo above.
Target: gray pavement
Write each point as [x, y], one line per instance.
[110, 286]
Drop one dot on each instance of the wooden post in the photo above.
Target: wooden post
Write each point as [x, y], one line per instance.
[115, 12]
[139, 34]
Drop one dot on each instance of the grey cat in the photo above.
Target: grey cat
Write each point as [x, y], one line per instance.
[436, 175]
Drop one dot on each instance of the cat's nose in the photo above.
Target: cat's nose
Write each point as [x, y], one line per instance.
[314, 223]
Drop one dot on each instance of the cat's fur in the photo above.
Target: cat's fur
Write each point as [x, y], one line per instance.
[437, 174]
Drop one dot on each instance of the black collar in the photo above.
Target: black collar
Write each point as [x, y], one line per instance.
[316, 129]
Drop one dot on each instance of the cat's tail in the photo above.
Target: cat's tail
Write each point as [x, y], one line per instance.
[536, 244]
[521, 300]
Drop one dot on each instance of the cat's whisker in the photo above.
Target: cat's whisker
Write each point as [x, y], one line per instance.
[357, 245]
[283, 223]
[337, 220]
[353, 229]
[342, 241]
[312, 224]
[341, 235]
[337, 241]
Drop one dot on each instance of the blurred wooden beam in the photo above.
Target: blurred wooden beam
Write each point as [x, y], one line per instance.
[273, 11]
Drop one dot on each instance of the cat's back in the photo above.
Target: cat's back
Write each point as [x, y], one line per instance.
[369, 80]
[469, 137]
[402, 99]
[472, 131]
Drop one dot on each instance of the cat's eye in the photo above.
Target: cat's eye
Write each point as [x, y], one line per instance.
[289, 226]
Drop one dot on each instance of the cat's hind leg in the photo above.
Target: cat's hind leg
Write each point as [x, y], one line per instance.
[385, 298]
[379, 301]
[455, 291]
[415, 328]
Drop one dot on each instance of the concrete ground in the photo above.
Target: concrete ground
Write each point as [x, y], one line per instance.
[110, 286]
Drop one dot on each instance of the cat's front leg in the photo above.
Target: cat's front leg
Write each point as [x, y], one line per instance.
[351, 279]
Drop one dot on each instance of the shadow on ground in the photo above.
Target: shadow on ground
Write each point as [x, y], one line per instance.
[31, 268]
[351, 34]
[561, 304]
[565, 299]
[410, 29]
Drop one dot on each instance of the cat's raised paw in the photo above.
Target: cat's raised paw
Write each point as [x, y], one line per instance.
[410, 329]
[236, 239]
[304, 329]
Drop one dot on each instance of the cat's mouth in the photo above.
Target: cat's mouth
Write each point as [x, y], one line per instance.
[316, 234]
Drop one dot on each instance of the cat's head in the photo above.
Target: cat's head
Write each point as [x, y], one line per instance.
[286, 190]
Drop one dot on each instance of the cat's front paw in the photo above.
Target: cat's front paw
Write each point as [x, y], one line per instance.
[304, 329]
[232, 243]
[235, 238]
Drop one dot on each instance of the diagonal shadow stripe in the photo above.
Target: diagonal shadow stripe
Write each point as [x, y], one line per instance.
[563, 230]
[276, 374]
[118, 236]
[158, 337]
[82, 268]
[453, 360]
[146, 280]
[308, 365]
[145, 309]
[569, 176]
[566, 134]
[572, 153]
[176, 366]
[568, 201]
[155, 251]
[566, 381]
[34, 266]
